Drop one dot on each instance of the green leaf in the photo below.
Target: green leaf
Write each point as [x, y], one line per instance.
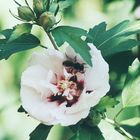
[75, 137]
[54, 8]
[6, 33]
[65, 4]
[72, 36]
[85, 132]
[131, 90]
[131, 122]
[40, 133]
[134, 130]
[93, 118]
[117, 39]
[95, 32]
[20, 30]
[24, 42]
[106, 102]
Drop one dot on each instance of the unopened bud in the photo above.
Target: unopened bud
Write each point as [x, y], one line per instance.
[38, 6]
[47, 20]
[25, 13]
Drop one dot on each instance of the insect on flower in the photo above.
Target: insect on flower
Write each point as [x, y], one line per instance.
[72, 66]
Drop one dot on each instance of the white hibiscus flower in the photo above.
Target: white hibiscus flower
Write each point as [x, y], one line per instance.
[59, 88]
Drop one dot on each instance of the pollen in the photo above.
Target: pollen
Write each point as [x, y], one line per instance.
[65, 84]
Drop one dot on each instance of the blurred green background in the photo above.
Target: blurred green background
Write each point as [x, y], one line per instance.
[84, 14]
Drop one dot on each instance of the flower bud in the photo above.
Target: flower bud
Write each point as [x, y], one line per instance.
[25, 13]
[38, 6]
[47, 20]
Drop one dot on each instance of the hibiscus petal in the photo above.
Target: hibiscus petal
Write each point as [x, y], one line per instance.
[35, 107]
[33, 75]
[50, 59]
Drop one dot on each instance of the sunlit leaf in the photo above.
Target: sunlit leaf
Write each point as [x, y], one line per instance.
[131, 90]
[109, 132]
[117, 39]
[106, 102]
[19, 30]
[72, 36]
[131, 122]
[40, 133]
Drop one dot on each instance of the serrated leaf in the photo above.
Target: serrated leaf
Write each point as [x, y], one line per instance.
[106, 102]
[20, 30]
[40, 133]
[131, 90]
[117, 39]
[72, 36]
[95, 32]
[24, 42]
[86, 132]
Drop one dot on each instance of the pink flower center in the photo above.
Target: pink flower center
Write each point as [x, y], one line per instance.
[69, 90]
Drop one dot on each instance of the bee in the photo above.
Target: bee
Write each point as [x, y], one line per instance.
[73, 67]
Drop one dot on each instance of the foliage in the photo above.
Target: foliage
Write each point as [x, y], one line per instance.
[131, 90]
[85, 132]
[106, 102]
[115, 40]
[73, 36]
[40, 133]
[24, 42]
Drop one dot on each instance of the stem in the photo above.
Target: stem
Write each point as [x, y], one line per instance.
[17, 3]
[43, 46]
[120, 129]
[29, 6]
[52, 41]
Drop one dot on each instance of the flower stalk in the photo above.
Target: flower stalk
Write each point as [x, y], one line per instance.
[52, 41]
